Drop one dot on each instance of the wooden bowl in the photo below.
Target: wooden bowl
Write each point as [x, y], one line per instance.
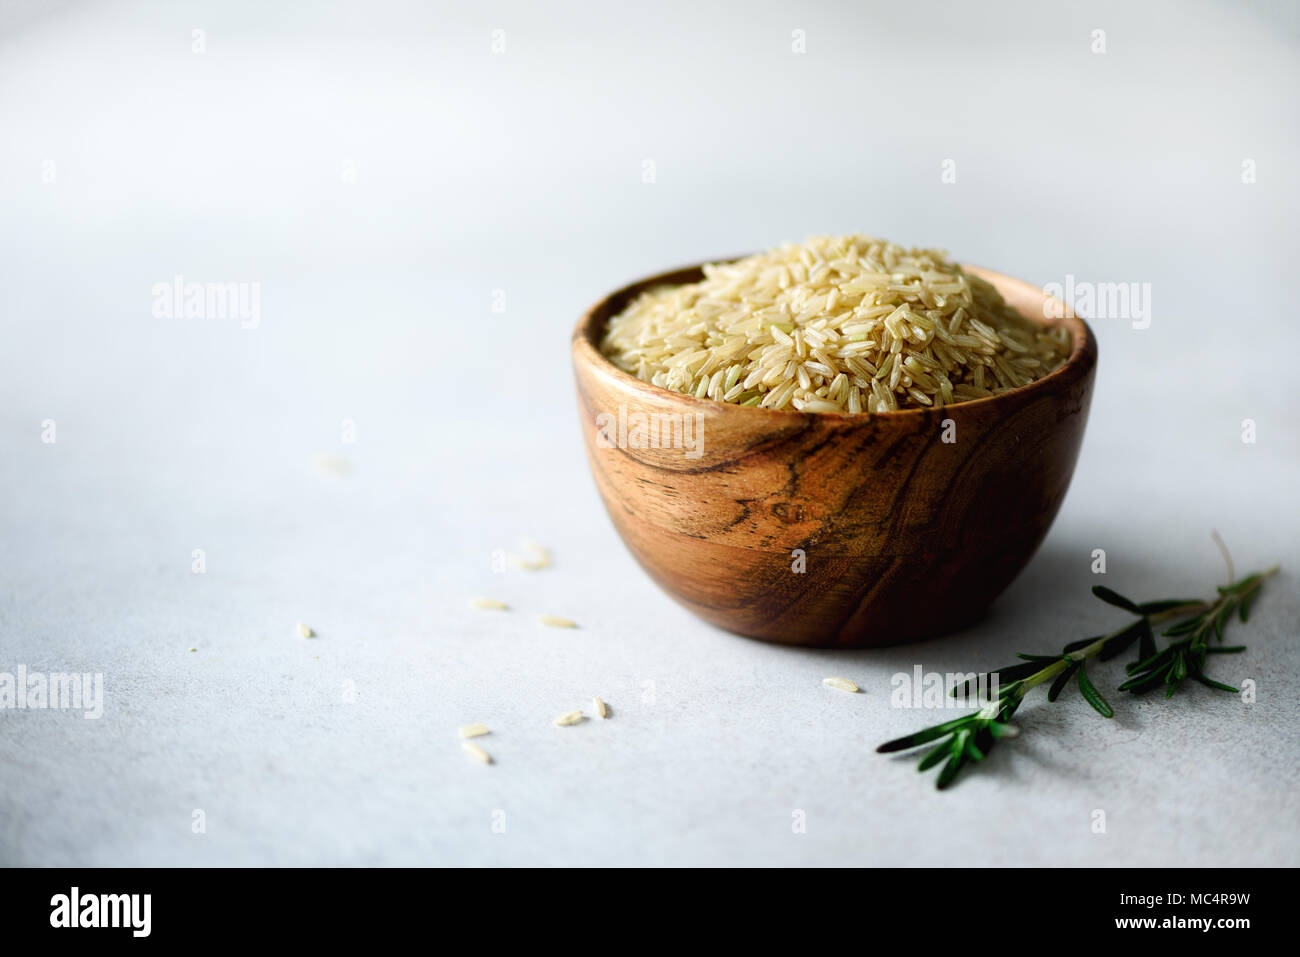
[833, 530]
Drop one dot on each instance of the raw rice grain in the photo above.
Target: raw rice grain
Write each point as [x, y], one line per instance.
[555, 621]
[841, 684]
[475, 752]
[835, 324]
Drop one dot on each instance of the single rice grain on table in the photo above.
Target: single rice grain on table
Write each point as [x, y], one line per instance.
[538, 556]
[475, 752]
[555, 621]
[841, 684]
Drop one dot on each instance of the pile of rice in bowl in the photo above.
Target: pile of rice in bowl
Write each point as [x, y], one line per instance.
[834, 324]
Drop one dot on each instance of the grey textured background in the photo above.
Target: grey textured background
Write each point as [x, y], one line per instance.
[523, 172]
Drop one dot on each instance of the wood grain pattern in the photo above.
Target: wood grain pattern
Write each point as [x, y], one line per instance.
[904, 536]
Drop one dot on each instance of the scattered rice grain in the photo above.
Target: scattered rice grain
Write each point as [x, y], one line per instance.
[475, 752]
[555, 621]
[841, 684]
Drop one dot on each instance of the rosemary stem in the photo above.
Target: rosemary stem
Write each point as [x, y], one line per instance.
[1181, 611]
[1056, 667]
[1088, 651]
[968, 739]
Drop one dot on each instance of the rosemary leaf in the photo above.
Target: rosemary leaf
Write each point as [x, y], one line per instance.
[1116, 599]
[1147, 644]
[1092, 695]
[1210, 682]
[1081, 643]
[1124, 640]
[933, 757]
[1222, 619]
[1061, 680]
[1144, 683]
[1153, 661]
[921, 737]
[1153, 607]
[1009, 673]
[950, 771]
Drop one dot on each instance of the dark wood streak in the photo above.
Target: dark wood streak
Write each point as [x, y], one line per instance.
[861, 600]
[905, 536]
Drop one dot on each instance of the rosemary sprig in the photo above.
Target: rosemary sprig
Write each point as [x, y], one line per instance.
[968, 739]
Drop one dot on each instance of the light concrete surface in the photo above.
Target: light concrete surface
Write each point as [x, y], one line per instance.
[387, 180]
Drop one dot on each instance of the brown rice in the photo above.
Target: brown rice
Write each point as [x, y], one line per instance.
[835, 324]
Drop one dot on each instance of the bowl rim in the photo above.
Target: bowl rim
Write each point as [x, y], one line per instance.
[1081, 360]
